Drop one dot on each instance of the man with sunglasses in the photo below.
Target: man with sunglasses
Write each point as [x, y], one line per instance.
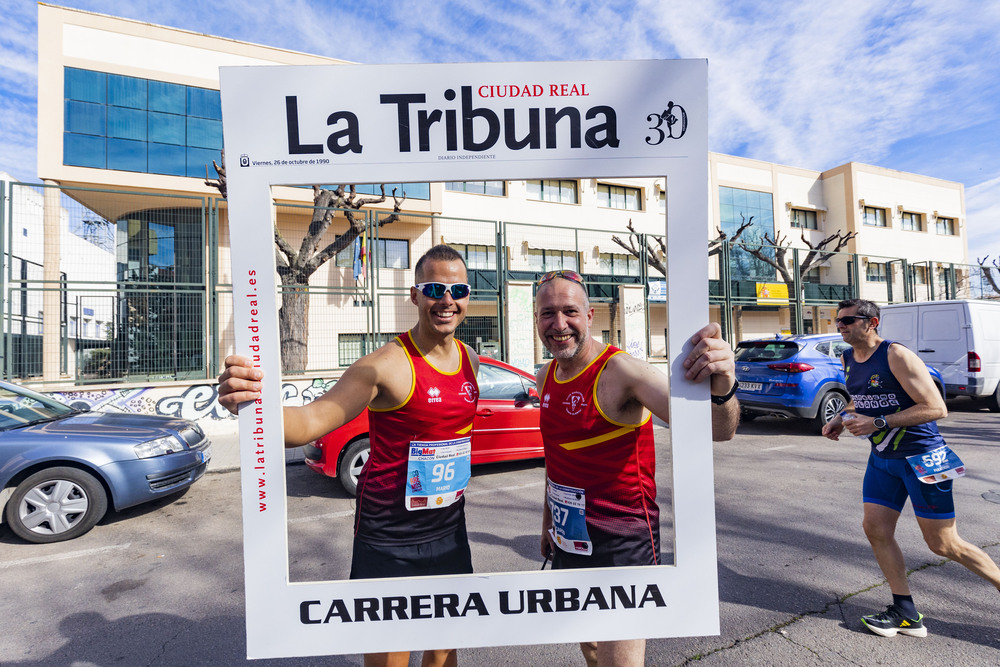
[421, 390]
[596, 422]
[895, 404]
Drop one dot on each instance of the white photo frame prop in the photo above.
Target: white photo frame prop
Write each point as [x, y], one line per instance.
[460, 122]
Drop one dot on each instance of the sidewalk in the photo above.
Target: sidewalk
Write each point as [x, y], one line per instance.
[226, 449]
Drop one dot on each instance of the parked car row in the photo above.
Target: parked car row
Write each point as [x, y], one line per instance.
[795, 376]
[62, 468]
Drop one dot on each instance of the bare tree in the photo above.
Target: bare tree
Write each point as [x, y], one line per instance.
[296, 267]
[988, 272]
[818, 253]
[655, 255]
[635, 247]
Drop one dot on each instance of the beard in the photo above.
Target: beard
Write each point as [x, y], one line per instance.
[566, 352]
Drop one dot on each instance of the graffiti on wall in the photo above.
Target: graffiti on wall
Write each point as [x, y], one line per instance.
[196, 403]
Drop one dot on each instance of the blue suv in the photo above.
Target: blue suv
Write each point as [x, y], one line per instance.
[795, 376]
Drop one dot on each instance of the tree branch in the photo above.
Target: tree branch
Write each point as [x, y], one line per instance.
[653, 258]
[988, 272]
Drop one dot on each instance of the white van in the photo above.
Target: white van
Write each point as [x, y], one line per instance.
[959, 338]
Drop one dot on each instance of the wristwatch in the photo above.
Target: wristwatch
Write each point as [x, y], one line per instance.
[880, 423]
[719, 400]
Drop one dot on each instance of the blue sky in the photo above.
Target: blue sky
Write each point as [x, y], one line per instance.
[913, 86]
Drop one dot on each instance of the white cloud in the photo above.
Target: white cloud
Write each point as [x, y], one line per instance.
[982, 212]
[802, 82]
[816, 85]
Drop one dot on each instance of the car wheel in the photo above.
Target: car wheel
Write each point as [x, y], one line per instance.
[56, 504]
[993, 402]
[829, 407]
[351, 463]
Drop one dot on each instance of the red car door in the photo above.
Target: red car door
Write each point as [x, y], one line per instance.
[506, 424]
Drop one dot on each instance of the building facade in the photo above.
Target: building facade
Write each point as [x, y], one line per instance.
[129, 130]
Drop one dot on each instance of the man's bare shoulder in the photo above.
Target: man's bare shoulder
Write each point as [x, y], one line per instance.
[473, 355]
[899, 352]
[387, 359]
[902, 357]
[541, 373]
[626, 378]
[624, 367]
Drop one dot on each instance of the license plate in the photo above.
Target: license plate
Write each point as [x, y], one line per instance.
[206, 454]
[751, 386]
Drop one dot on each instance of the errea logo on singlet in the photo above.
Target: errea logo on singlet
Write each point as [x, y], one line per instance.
[575, 403]
[433, 395]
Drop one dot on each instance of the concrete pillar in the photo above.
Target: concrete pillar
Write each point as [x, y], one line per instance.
[51, 311]
[437, 231]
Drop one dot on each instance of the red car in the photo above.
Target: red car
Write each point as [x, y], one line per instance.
[505, 427]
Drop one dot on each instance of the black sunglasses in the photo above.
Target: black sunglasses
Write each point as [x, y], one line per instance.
[437, 290]
[850, 319]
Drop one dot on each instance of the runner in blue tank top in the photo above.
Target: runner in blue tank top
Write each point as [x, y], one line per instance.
[895, 404]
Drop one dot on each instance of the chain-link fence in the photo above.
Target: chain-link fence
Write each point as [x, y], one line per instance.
[111, 287]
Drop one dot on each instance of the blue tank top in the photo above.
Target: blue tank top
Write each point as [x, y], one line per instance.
[876, 392]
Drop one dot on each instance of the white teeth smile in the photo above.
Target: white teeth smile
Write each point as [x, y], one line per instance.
[563, 338]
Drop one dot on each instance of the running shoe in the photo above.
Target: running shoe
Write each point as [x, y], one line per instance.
[890, 621]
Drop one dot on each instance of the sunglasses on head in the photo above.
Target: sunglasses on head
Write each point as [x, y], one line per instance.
[561, 273]
[437, 290]
[850, 319]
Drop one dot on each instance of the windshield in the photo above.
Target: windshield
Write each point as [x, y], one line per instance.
[765, 350]
[17, 409]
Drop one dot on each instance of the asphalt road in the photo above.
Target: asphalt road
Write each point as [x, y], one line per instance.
[163, 584]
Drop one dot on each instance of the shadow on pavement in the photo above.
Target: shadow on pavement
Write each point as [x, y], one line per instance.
[152, 639]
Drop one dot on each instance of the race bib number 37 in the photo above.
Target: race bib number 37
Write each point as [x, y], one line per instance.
[437, 473]
[568, 505]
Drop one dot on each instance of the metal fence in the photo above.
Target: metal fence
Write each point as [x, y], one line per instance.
[131, 287]
[114, 285]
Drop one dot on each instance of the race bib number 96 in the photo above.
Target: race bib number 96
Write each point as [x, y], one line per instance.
[437, 473]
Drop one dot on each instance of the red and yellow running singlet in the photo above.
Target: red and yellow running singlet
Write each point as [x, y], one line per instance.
[439, 408]
[612, 462]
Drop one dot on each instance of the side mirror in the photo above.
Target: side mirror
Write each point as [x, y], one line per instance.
[524, 399]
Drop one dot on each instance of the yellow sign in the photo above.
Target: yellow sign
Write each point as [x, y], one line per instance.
[772, 293]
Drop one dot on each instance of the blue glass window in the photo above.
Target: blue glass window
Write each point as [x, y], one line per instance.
[204, 103]
[412, 190]
[167, 159]
[126, 155]
[126, 123]
[84, 85]
[199, 159]
[85, 118]
[136, 124]
[202, 133]
[80, 150]
[167, 97]
[737, 207]
[166, 128]
[126, 91]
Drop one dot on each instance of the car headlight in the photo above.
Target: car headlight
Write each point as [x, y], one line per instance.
[165, 445]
